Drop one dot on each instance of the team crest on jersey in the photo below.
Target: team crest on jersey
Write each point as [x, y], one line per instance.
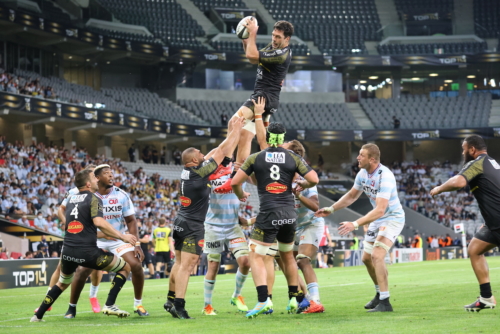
[275, 157]
[185, 175]
[276, 188]
[185, 202]
[201, 243]
[75, 227]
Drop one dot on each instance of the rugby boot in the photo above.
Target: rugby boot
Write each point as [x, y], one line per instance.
[225, 188]
[35, 319]
[303, 306]
[383, 306]
[114, 310]
[239, 302]
[96, 308]
[141, 311]
[292, 306]
[314, 308]
[271, 307]
[181, 314]
[480, 304]
[208, 310]
[49, 309]
[220, 171]
[71, 312]
[168, 306]
[373, 303]
[260, 308]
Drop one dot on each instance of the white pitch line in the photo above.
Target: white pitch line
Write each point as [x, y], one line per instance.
[49, 315]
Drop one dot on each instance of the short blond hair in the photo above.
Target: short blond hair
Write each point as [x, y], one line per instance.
[373, 151]
[296, 147]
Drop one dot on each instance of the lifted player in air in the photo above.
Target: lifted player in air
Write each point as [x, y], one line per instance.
[273, 61]
[274, 169]
[188, 226]
[386, 220]
[83, 217]
[117, 208]
[222, 228]
[482, 174]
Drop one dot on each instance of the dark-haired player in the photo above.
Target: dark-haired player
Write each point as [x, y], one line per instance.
[482, 174]
[274, 170]
[83, 216]
[273, 61]
[120, 213]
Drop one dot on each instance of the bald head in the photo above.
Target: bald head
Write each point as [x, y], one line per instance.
[189, 154]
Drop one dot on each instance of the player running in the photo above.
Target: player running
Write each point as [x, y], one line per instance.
[482, 174]
[386, 220]
[189, 223]
[222, 228]
[117, 207]
[273, 61]
[83, 217]
[274, 170]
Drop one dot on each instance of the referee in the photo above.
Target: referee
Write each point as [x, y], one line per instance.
[482, 174]
[162, 241]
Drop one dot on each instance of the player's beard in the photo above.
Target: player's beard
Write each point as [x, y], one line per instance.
[107, 186]
[467, 157]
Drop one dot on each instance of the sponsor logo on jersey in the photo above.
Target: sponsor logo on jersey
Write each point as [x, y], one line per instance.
[185, 174]
[276, 188]
[177, 228]
[211, 244]
[113, 201]
[283, 221]
[72, 259]
[275, 157]
[185, 202]
[494, 164]
[77, 198]
[110, 217]
[75, 227]
[201, 243]
[112, 208]
[237, 241]
[123, 247]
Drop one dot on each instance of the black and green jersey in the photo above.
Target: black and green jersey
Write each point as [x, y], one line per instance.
[195, 190]
[483, 176]
[272, 69]
[81, 209]
[274, 169]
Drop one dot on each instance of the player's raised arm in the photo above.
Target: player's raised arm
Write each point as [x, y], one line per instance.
[250, 45]
[260, 128]
[227, 147]
[343, 202]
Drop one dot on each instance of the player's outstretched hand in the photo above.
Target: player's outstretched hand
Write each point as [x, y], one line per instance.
[129, 238]
[259, 105]
[435, 191]
[245, 197]
[346, 228]
[323, 212]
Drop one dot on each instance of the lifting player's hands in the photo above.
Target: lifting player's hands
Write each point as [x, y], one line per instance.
[252, 25]
[323, 212]
[244, 197]
[302, 184]
[296, 191]
[259, 105]
[129, 238]
[237, 123]
[346, 228]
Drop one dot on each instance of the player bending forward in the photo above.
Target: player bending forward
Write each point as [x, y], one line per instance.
[386, 220]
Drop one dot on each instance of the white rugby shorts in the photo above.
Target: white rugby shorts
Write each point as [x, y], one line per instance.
[310, 235]
[217, 236]
[116, 247]
[389, 229]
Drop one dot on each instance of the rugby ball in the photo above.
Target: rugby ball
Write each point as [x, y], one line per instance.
[241, 29]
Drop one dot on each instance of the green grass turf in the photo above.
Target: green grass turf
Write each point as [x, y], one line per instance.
[427, 297]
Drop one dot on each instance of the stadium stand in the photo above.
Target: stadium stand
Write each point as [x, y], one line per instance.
[415, 180]
[319, 115]
[336, 27]
[206, 5]
[123, 35]
[422, 112]
[228, 46]
[424, 6]
[135, 101]
[167, 20]
[428, 48]
[486, 14]
[53, 12]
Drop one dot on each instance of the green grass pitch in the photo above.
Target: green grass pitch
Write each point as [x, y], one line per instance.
[427, 297]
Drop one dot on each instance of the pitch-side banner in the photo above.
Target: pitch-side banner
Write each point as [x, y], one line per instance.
[405, 255]
[49, 108]
[26, 273]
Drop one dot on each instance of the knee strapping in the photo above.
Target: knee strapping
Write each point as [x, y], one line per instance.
[285, 247]
[382, 245]
[240, 251]
[66, 279]
[119, 265]
[367, 247]
[302, 256]
[259, 249]
[214, 257]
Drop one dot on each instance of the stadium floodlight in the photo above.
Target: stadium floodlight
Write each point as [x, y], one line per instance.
[388, 80]
[373, 77]
[415, 79]
[88, 105]
[363, 87]
[493, 83]
[448, 81]
[362, 81]
[471, 76]
[433, 75]
[356, 87]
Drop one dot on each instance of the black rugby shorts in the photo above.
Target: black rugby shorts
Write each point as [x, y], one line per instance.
[272, 103]
[279, 224]
[487, 235]
[88, 257]
[188, 236]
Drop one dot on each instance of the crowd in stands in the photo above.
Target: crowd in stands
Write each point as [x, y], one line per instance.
[20, 85]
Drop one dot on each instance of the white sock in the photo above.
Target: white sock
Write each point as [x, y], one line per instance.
[384, 295]
[93, 291]
[137, 302]
[240, 281]
[48, 289]
[72, 305]
[209, 289]
[314, 291]
[377, 288]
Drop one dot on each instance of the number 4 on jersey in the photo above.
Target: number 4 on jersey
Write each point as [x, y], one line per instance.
[74, 212]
